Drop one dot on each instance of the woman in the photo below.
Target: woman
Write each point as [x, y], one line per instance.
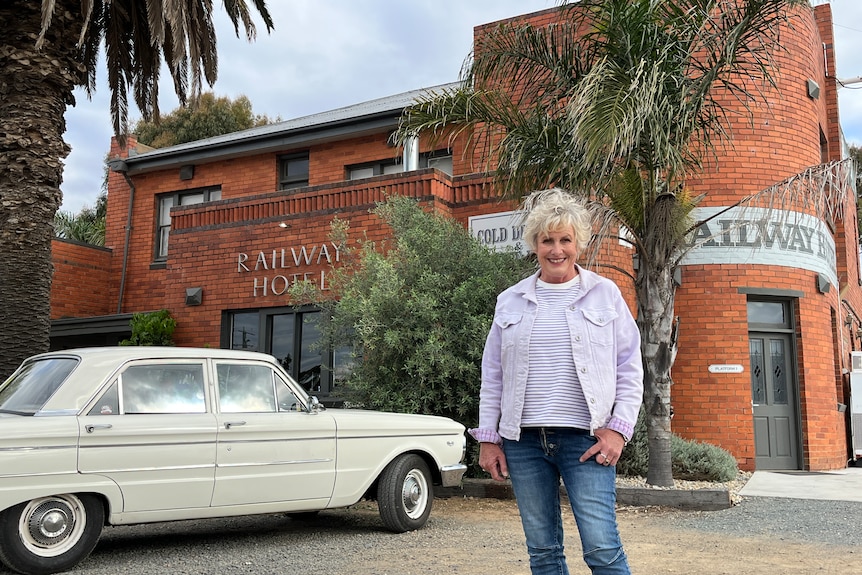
[562, 383]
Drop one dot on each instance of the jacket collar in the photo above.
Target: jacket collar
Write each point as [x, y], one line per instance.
[527, 287]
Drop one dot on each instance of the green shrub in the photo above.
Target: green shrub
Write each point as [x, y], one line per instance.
[634, 460]
[152, 328]
[690, 460]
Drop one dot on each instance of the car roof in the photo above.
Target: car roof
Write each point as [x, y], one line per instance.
[125, 353]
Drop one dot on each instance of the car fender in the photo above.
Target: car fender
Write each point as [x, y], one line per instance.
[12, 492]
[362, 460]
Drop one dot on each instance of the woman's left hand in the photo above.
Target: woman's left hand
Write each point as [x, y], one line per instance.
[607, 449]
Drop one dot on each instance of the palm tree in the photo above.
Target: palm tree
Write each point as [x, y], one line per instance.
[621, 100]
[47, 49]
[87, 226]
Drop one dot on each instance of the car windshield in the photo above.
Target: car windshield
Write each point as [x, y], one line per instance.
[28, 389]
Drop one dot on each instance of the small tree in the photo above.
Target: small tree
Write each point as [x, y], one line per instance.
[419, 311]
[152, 328]
[206, 116]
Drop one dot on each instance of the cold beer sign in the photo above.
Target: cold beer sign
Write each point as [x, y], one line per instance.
[499, 231]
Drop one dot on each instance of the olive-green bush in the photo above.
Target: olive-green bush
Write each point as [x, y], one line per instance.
[152, 328]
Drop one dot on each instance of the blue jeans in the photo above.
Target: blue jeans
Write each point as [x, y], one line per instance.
[536, 464]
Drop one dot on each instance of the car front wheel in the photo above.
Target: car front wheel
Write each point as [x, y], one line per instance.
[50, 534]
[404, 494]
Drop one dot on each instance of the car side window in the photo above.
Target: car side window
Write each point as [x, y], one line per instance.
[163, 388]
[287, 400]
[245, 388]
[109, 403]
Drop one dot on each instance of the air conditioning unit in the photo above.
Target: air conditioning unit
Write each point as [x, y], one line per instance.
[856, 361]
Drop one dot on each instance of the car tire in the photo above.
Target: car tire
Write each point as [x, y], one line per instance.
[50, 534]
[405, 494]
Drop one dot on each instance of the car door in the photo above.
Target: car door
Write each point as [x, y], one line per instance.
[270, 449]
[152, 433]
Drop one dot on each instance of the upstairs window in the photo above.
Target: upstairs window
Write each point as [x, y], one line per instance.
[293, 171]
[441, 159]
[168, 201]
[361, 171]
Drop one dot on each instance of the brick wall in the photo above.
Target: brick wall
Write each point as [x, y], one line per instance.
[82, 280]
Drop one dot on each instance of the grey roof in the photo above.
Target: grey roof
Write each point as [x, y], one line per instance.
[372, 116]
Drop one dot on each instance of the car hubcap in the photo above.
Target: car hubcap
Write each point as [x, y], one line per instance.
[50, 521]
[50, 526]
[414, 494]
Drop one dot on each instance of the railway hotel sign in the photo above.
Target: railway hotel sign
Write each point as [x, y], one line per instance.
[761, 237]
[276, 270]
[736, 236]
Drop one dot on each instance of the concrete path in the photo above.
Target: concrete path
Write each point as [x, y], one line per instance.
[837, 485]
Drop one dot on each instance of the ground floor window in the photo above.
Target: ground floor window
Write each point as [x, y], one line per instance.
[294, 337]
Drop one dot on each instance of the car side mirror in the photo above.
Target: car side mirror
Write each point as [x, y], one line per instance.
[314, 405]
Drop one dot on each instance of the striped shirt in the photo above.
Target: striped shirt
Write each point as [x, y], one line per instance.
[554, 397]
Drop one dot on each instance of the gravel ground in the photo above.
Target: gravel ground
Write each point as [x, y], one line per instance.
[808, 520]
[466, 536]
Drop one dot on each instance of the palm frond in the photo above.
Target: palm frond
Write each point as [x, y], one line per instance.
[138, 34]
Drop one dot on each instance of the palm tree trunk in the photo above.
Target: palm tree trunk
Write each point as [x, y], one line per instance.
[655, 296]
[35, 88]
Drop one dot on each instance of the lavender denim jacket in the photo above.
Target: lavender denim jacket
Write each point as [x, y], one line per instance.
[605, 346]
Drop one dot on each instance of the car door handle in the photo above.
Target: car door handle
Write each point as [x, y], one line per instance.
[229, 424]
[91, 427]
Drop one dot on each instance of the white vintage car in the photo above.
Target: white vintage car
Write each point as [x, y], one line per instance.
[126, 435]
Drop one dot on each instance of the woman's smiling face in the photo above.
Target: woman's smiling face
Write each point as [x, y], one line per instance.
[557, 253]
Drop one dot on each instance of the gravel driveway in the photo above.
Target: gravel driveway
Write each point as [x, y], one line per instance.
[767, 536]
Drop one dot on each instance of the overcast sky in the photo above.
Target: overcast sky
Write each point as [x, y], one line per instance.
[325, 54]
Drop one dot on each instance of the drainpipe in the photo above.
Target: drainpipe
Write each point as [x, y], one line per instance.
[121, 167]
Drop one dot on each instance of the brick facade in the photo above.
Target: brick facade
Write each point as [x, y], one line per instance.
[236, 251]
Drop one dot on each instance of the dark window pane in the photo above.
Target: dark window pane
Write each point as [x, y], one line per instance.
[343, 361]
[297, 168]
[779, 376]
[311, 354]
[758, 377]
[283, 338]
[243, 333]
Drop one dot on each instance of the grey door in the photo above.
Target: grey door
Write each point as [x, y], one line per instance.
[773, 394]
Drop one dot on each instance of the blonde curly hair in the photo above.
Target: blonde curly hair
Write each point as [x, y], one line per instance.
[553, 210]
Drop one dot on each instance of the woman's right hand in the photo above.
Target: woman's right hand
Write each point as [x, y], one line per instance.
[493, 460]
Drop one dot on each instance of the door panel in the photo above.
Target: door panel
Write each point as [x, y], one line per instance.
[773, 392]
[268, 450]
[151, 433]
[158, 461]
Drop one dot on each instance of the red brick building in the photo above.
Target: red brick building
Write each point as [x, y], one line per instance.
[216, 230]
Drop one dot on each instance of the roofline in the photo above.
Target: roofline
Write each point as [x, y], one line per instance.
[317, 129]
